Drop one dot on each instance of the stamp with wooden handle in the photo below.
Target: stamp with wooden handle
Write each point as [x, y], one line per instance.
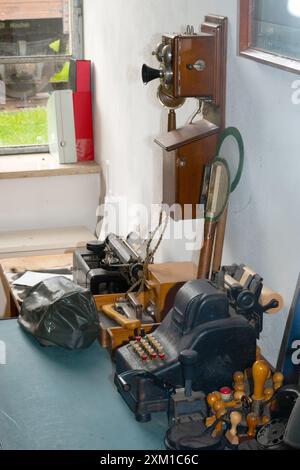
[240, 387]
[238, 377]
[231, 435]
[268, 395]
[219, 427]
[260, 373]
[129, 324]
[219, 405]
[252, 422]
[212, 399]
[278, 380]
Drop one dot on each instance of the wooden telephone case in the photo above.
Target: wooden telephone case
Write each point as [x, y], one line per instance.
[187, 50]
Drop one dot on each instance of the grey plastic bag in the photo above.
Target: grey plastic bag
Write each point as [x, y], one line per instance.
[58, 312]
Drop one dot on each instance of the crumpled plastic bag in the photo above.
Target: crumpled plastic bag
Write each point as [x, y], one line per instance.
[58, 312]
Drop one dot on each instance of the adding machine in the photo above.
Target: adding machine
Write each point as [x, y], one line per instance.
[220, 323]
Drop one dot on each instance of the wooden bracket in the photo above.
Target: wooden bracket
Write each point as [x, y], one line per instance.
[218, 26]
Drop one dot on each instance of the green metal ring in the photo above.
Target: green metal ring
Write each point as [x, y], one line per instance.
[235, 133]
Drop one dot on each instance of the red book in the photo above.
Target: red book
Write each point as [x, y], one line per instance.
[83, 117]
[83, 76]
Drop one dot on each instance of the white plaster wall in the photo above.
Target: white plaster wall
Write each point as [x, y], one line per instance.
[264, 226]
[37, 203]
[53, 202]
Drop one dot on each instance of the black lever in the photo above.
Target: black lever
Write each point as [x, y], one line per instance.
[188, 359]
[96, 247]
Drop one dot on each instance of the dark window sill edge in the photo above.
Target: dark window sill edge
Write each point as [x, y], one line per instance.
[18, 150]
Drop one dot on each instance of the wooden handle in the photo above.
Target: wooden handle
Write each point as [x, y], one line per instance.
[235, 419]
[278, 380]
[266, 297]
[268, 394]
[252, 421]
[218, 405]
[219, 245]
[213, 398]
[238, 377]
[238, 396]
[240, 387]
[260, 372]
[219, 427]
[207, 250]
[127, 323]
[232, 404]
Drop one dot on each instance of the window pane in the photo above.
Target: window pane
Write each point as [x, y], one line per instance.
[24, 93]
[34, 28]
[276, 27]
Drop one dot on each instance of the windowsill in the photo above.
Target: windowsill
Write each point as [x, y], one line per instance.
[266, 58]
[41, 165]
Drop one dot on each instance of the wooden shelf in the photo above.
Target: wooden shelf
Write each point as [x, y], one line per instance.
[41, 165]
[187, 135]
[28, 241]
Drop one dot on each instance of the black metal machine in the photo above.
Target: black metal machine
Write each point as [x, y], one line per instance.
[148, 370]
[110, 267]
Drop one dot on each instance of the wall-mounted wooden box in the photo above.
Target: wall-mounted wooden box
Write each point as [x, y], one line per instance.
[187, 151]
[193, 65]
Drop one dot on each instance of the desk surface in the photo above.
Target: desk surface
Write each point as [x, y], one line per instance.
[54, 399]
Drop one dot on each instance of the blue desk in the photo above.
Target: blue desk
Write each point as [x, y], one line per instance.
[55, 399]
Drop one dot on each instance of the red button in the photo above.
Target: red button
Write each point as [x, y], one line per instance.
[225, 391]
[138, 339]
[154, 355]
[162, 356]
[144, 357]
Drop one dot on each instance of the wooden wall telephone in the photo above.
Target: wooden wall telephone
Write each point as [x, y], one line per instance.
[191, 65]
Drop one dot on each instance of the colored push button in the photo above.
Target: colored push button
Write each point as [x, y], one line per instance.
[226, 394]
[144, 357]
[153, 355]
[162, 356]
[138, 339]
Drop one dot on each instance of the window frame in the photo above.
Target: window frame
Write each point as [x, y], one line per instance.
[247, 50]
[77, 53]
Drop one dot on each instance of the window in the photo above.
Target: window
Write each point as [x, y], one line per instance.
[38, 38]
[270, 32]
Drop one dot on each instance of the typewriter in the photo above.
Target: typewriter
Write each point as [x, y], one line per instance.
[110, 267]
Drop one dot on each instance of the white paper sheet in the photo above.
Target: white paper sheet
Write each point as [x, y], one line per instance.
[31, 279]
